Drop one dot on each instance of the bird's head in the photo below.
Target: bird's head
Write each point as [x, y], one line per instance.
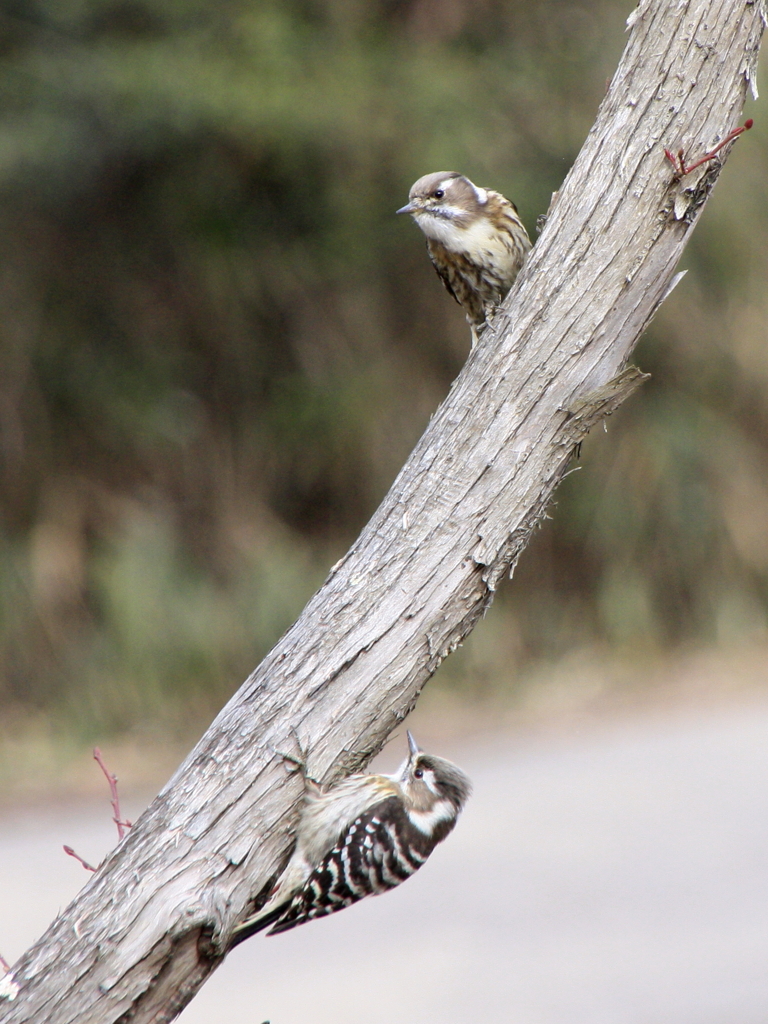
[444, 196]
[427, 779]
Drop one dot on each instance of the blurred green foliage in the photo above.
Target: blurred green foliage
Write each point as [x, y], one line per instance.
[219, 344]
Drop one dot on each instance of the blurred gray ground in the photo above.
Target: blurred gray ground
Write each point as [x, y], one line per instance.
[615, 873]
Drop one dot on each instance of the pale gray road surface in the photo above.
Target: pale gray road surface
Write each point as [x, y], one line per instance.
[617, 874]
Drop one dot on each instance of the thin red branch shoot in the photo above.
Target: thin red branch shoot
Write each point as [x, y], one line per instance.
[4, 964]
[678, 160]
[71, 852]
[122, 825]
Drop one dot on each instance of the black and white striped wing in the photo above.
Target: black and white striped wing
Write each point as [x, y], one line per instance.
[378, 851]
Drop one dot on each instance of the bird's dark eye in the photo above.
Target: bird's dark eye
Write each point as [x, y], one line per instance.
[438, 193]
[419, 773]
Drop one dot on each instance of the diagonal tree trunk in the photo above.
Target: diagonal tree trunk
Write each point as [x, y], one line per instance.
[154, 921]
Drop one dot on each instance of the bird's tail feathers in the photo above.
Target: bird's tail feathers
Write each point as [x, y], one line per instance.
[257, 923]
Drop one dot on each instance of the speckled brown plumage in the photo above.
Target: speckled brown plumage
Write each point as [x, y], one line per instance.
[475, 239]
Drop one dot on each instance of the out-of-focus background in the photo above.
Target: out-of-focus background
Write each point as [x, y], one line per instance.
[217, 347]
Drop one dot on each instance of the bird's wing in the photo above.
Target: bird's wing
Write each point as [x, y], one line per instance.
[372, 855]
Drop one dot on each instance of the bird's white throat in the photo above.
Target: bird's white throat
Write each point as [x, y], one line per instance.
[478, 240]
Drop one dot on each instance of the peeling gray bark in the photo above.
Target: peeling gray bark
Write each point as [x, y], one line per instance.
[147, 929]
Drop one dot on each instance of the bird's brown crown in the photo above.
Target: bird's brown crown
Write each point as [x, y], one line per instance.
[447, 195]
[426, 779]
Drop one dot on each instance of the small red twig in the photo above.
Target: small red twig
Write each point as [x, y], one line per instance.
[678, 159]
[4, 964]
[86, 865]
[122, 826]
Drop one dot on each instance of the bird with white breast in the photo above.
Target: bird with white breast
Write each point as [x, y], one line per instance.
[361, 838]
[475, 239]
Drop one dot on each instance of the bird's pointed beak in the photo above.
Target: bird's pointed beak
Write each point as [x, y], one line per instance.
[409, 208]
[413, 746]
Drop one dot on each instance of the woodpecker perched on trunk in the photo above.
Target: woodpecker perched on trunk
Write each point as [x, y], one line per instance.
[475, 239]
[362, 837]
